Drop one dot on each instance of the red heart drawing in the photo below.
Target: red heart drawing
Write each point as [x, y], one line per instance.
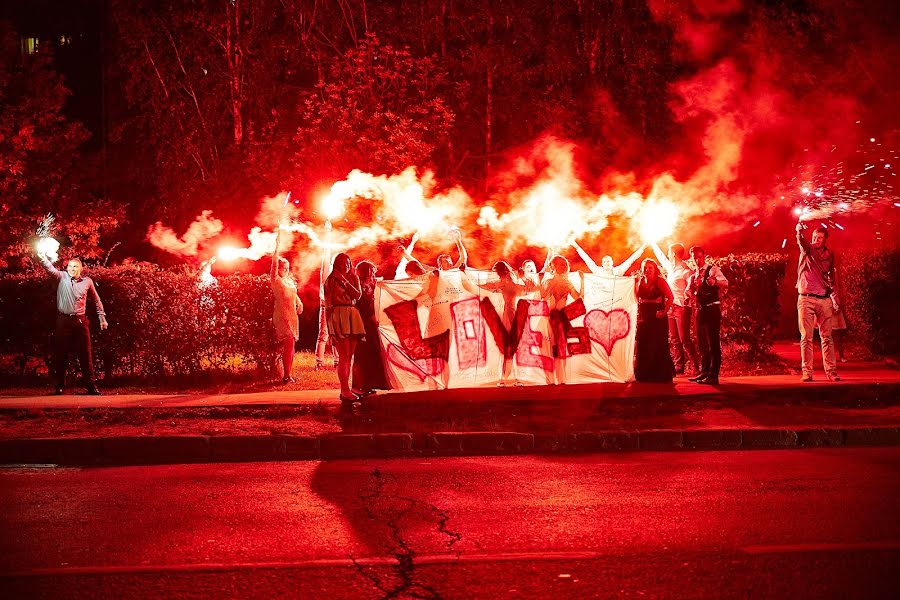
[606, 328]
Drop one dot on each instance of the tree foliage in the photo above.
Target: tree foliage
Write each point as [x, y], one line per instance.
[41, 168]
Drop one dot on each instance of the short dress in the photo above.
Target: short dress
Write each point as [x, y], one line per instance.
[287, 304]
[341, 314]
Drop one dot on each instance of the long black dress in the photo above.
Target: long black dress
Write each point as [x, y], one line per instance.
[368, 369]
[652, 361]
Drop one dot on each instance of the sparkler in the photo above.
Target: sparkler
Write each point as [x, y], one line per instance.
[206, 276]
[46, 245]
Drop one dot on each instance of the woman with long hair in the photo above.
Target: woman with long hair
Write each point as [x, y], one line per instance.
[287, 309]
[345, 324]
[652, 361]
[368, 368]
[556, 291]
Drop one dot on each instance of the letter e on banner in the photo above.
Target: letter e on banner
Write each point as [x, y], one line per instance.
[528, 353]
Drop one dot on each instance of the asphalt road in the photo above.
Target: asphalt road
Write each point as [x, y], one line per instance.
[796, 523]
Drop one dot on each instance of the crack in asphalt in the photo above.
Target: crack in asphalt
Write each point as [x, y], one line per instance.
[391, 515]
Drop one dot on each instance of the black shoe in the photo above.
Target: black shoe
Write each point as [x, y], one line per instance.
[709, 381]
[93, 391]
[58, 391]
[698, 377]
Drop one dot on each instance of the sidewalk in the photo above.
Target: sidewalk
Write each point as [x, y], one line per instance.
[741, 413]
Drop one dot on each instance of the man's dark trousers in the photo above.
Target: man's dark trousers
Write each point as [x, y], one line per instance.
[709, 322]
[72, 333]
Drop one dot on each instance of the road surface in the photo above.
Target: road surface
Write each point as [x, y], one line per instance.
[796, 523]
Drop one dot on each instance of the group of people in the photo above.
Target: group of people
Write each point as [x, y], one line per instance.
[670, 308]
[667, 306]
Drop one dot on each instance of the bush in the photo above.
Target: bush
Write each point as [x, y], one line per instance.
[160, 323]
[750, 309]
[867, 283]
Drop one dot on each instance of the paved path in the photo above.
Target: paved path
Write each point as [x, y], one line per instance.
[862, 374]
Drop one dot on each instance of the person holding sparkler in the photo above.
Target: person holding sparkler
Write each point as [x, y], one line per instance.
[652, 361]
[817, 301]
[287, 309]
[345, 325]
[529, 274]
[608, 266]
[703, 289]
[72, 327]
[410, 267]
[681, 313]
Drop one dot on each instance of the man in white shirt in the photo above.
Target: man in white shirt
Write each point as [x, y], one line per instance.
[681, 314]
[703, 289]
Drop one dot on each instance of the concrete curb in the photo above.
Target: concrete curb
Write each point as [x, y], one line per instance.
[211, 449]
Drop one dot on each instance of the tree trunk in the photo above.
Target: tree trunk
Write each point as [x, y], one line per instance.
[488, 120]
[234, 56]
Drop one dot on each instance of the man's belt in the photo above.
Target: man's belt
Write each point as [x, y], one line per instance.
[710, 304]
[819, 296]
[68, 315]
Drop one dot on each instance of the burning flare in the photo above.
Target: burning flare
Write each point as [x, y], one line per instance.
[48, 247]
[656, 220]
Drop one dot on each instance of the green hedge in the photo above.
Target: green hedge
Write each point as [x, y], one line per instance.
[750, 309]
[868, 283]
[164, 323]
[160, 322]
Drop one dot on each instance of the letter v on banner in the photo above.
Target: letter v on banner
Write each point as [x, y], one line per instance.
[523, 342]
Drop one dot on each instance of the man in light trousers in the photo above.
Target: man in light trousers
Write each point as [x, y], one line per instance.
[817, 302]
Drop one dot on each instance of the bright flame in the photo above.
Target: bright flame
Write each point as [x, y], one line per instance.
[48, 247]
[333, 205]
[407, 202]
[657, 220]
[230, 253]
[261, 244]
[545, 217]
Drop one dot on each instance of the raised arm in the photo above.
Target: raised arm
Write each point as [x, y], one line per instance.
[591, 265]
[662, 258]
[623, 268]
[49, 266]
[405, 257]
[547, 260]
[801, 241]
[463, 256]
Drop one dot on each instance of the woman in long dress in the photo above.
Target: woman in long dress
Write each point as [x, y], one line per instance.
[652, 363]
[287, 310]
[368, 368]
[345, 324]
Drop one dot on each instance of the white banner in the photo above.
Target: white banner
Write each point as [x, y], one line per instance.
[451, 329]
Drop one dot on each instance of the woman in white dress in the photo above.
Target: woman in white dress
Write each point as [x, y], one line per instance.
[287, 309]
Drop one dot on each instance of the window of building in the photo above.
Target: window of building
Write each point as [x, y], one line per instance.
[30, 45]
